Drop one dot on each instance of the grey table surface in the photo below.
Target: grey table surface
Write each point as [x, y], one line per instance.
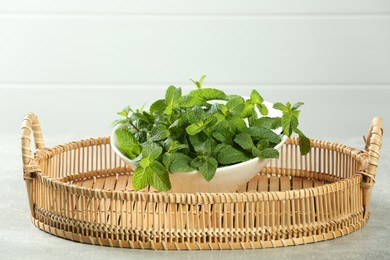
[19, 239]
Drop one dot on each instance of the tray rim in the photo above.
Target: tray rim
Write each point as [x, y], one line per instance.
[47, 153]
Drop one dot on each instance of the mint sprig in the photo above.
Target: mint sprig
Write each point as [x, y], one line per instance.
[290, 122]
[201, 131]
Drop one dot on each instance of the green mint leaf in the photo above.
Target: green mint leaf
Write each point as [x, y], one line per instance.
[125, 111]
[181, 166]
[263, 109]
[158, 107]
[213, 110]
[289, 122]
[223, 135]
[142, 177]
[160, 178]
[172, 95]
[248, 109]
[193, 129]
[151, 150]
[236, 123]
[210, 121]
[280, 106]
[253, 117]
[233, 96]
[176, 123]
[235, 105]
[304, 142]
[140, 110]
[294, 121]
[144, 162]
[244, 140]
[221, 125]
[200, 82]
[206, 94]
[268, 122]
[120, 122]
[172, 145]
[265, 153]
[286, 124]
[199, 112]
[190, 101]
[196, 163]
[230, 155]
[256, 98]
[127, 143]
[296, 113]
[288, 106]
[256, 152]
[142, 116]
[141, 136]
[220, 118]
[172, 99]
[167, 159]
[159, 132]
[217, 149]
[297, 105]
[269, 153]
[263, 133]
[178, 162]
[192, 117]
[208, 168]
[262, 144]
[202, 144]
[180, 147]
[223, 108]
[169, 110]
[195, 115]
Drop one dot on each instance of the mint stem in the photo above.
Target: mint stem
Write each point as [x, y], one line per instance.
[136, 128]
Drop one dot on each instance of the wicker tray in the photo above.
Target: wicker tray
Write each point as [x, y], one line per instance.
[82, 191]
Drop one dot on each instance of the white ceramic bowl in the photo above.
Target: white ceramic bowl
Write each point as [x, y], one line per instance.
[226, 179]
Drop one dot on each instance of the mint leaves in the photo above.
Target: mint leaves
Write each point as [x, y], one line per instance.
[290, 124]
[150, 170]
[127, 143]
[231, 155]
[201, 131]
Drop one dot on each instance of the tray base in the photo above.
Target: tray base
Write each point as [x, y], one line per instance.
[127, 243]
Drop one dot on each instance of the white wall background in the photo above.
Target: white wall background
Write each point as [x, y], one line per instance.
[76, 62]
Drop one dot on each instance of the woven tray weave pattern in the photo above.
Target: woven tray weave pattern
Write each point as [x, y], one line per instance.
[83, 192]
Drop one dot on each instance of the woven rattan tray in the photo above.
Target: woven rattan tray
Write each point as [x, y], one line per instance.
[81, 191]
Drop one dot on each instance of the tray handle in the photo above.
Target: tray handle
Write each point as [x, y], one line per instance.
[30, 125]
[373, 144]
